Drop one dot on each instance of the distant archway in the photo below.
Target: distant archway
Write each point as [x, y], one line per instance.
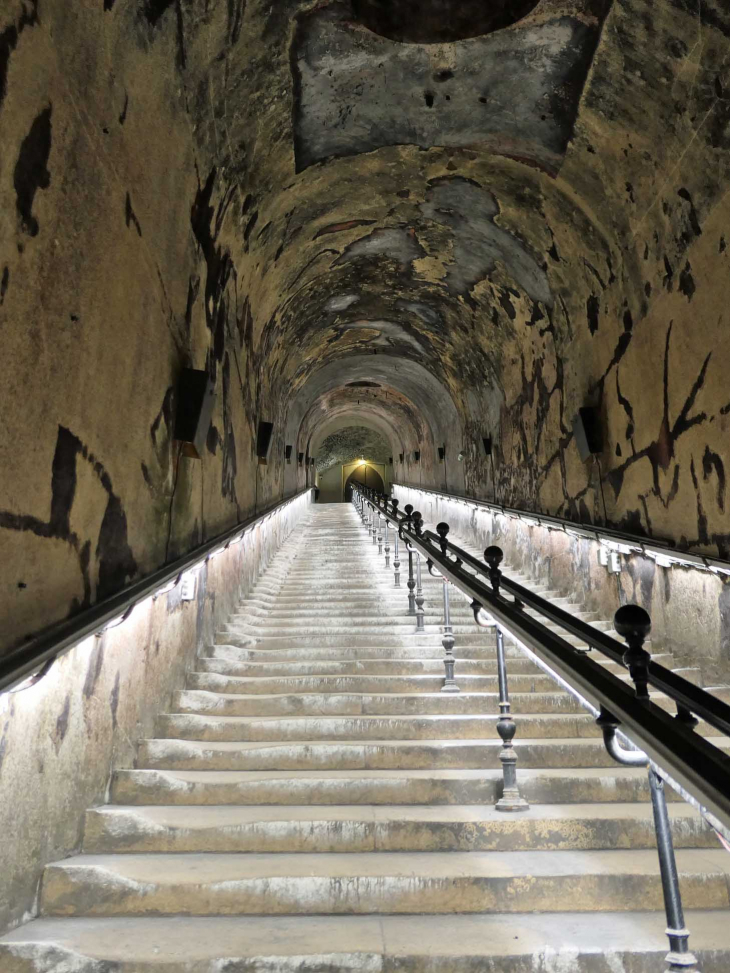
[366, 476]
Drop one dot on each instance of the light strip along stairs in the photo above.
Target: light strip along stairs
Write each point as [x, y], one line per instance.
[315, 803]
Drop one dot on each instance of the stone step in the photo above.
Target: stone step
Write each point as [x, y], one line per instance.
[566, 942]
[432, 883]
[362, 704]
[356, 639]
[365, 828]
[378, 787]
[443, 726]
[235, 653]
[372, 667]
[176, 754]
[412, 683]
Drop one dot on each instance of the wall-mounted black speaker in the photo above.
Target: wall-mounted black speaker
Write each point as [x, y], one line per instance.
[487, 440]
[287, 453]
[401, 457]
[417, 456]
[263, 441]
[300, 458]
[195, 401]
[311, 462]
[587, 432]
[390, 460]
[442, 453]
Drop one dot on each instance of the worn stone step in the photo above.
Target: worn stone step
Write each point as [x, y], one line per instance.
[175, 754]
[372, 666]
[402, 786]
[566, 942]
[357, 639]
[442, 726]
[392, 883]
[367, 704]
[366, 828]
[412, 683]
[235, 653]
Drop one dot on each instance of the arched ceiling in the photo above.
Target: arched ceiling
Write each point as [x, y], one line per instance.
[470, 204]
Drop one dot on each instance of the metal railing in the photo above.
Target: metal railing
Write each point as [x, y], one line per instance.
[636, 730]
[32, 660]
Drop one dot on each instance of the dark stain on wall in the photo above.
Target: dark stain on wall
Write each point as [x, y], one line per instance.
[31, 170]
[9, 40]
[129, 215]
[60, 730]
[114, 701]
[116, 561]
[4, 284]
[93, 673]
[711, 462]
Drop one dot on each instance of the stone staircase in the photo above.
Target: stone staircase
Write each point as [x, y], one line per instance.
[314, 803]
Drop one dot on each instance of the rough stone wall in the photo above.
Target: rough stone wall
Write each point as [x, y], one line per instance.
[61, 739]
[690, 609]
[350, 444]
[116, 270]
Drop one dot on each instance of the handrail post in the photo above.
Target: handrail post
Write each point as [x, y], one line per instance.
[420, 612]
[633, 624]
[450, 685]
[386, 548]
[411, 578]
[396, 560]
[380, 533]
[374, 527]
[511, 800]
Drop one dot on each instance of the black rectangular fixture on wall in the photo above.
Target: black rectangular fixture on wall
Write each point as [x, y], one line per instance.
[263, 441]
[311, 462]
[442, 453]
[417, 456]
[300, 458]
[401, 457]
[587, 432]
[287, 453]
[487, 440]
[390, 460]
[195, 401]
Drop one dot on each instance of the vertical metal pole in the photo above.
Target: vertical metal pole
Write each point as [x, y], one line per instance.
[396, 562]
[420, 629]
[374, 528]
[679, 958]
[387, 545]
[633, 623]
[510, 799]
[411, 584]
[449, 685]
[380, 533]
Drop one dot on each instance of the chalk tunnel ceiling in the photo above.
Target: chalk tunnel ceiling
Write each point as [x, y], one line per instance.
[432, 209]
[352, 443]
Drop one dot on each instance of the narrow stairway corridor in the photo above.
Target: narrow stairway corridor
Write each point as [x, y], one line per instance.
[313, 802]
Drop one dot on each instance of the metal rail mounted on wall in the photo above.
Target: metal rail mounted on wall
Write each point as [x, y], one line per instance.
[663, 552]
[33, 659]
[667, 744]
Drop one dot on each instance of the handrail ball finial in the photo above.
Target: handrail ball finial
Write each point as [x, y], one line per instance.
[633, 623]
[417, 522]
[442, 530]
[494, 556]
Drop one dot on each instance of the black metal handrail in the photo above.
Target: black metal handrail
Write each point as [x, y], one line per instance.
[699, 767]
[33, 659]
[666, 745]
[686, 695]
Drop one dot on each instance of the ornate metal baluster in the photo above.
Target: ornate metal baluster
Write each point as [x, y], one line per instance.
[396, 561]
[375, 527]
[450, 685]
[420, 612]
[380, 533]
[386, 547]
[411, 584]
[634, 624]
[511, 800]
